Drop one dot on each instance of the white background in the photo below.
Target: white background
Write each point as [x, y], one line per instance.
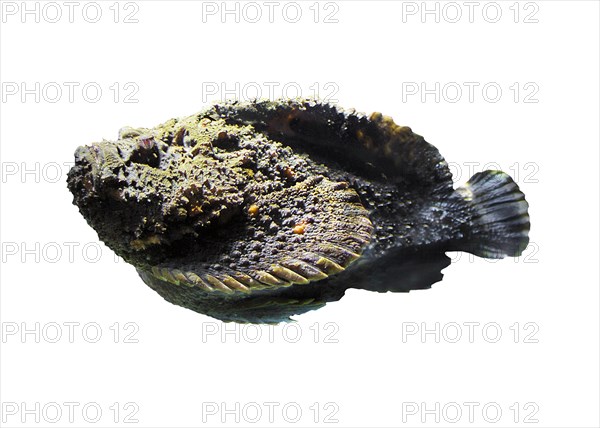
[369, 370]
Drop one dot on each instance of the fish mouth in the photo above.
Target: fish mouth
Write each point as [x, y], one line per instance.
[81, 177]
[87, 157]
[94, 165]
[94, 155]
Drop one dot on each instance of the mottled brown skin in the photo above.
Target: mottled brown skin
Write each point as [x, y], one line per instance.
[252, 212]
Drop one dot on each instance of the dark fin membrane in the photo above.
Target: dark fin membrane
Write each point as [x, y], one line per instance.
[399, 271]
[500, 222]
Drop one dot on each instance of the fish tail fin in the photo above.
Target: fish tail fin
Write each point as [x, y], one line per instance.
[500, 221]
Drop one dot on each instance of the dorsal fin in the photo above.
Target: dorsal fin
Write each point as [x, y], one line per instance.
[373, 146]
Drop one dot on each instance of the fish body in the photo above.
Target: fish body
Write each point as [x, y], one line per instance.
[254, 211]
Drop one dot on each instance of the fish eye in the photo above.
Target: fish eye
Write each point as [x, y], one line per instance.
[146, 152]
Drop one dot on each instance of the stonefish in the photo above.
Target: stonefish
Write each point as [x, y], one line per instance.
[255, 211]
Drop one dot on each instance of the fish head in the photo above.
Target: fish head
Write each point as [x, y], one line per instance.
[144, 192]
